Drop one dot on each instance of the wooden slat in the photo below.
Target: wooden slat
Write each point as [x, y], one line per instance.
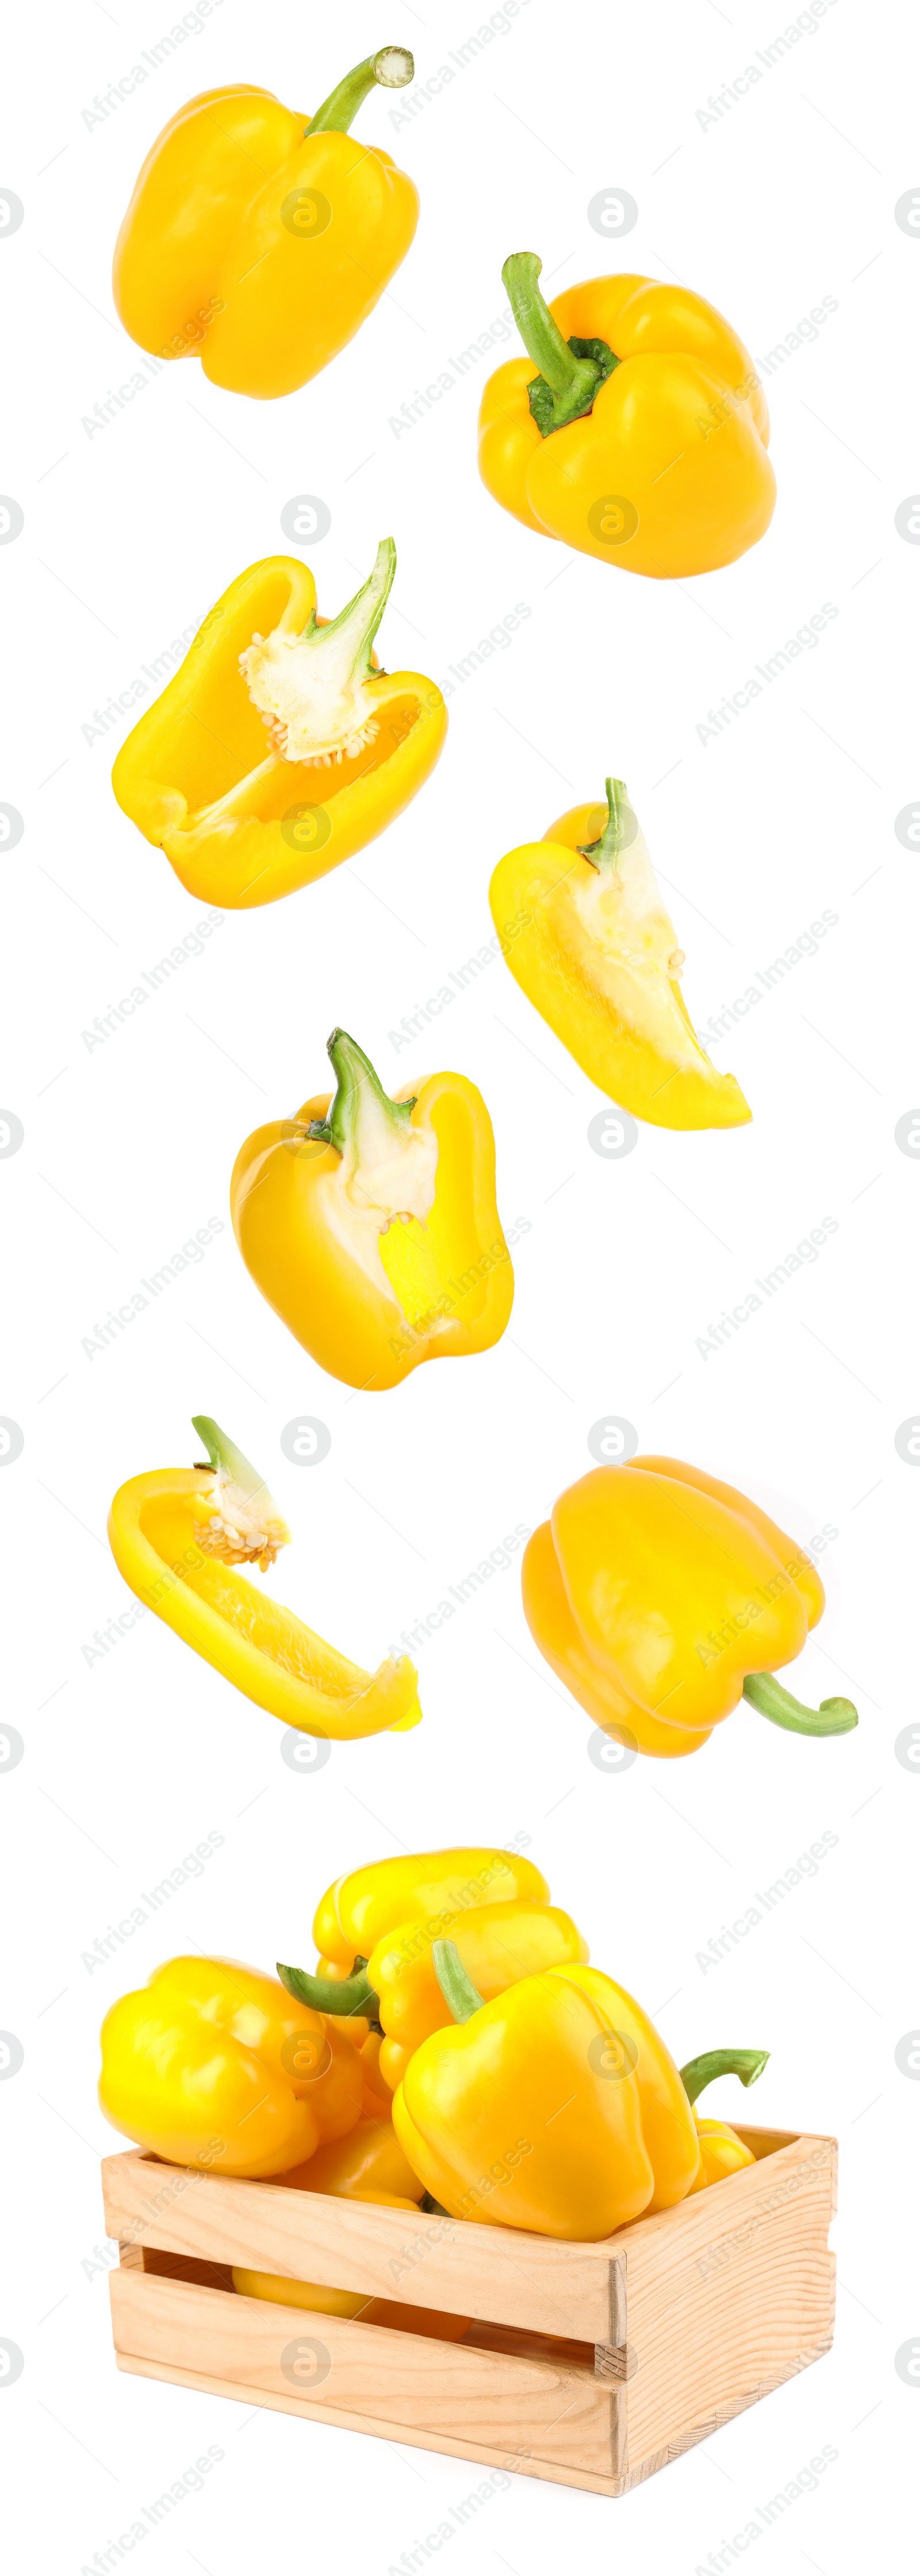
[491, 2272]
[729, 2294]
[512, 2406]
[516, 2466]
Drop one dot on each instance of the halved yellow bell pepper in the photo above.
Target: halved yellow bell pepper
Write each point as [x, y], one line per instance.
[243, 818]
[643, 437]
[178, 1533]
[659, 1596]
[556, 2107]
[585, 932]
[497, 1945]
[211, 2064]
[370, 1223]
[262, 238]
[359, 1909]
[721, 2150]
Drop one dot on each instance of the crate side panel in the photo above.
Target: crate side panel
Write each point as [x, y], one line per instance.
[470, 2270]
[729, 2294]
[515, 2404]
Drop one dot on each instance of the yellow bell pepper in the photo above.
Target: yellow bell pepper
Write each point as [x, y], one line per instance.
[177, 1534]
[261, 238]
[370, 1223]
[555, 2107]
[586, 935]
[359, 1909]
[279, 747]
[210, 2064]
[497, 1945]
[721, 2150]
[643, 437]
[352, 2303]
[659, 1596]
[367, 2163]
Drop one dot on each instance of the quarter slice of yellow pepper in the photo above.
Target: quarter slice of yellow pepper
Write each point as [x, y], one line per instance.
[279, 748]
[642, 439]
[370, 1224]
[660, 1595]
[359, 1909]
[178, 1534]
[261, 239]
[211, 2064]
[585, 932]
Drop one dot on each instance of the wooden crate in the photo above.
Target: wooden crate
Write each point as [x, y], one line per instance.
[590, 2364]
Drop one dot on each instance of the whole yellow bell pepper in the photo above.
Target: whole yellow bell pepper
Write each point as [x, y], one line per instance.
[261, 238]
[178, 1533]
[721, 2150]
[643, 437]
[555, 2107]
[211, 2064]
[497, 1945]
[659, 1596]
[359, 1909]
[370, 1223]
[586, 935]
[279, 747]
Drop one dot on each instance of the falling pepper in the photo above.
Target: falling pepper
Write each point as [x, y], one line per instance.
[279, 747]
[586, 935]
[370, 1223]
[660, 1596]
[261, 238]
[177, 1535]
[643, 438]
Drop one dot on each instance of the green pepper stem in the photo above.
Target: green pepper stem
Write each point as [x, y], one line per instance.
[456, 1987]
[620, 828]
[226, 1460]
[391, 68]
[834, 1717]
[345, 645]
[341, 1996]
[746, 2063]
[359, 1089]
[570, 370]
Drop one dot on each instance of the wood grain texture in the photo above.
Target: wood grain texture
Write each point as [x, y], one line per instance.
[728, 2294]
[515, 2465]
[511, 2403]
[470, 2270]
[724, 2297]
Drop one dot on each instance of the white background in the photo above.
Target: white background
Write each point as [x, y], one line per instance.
[130, 1761]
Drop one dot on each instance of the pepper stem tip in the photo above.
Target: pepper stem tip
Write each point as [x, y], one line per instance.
[746, 2063]
[769, 1696]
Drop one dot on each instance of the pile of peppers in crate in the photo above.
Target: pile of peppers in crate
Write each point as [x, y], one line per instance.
[451, 2050]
